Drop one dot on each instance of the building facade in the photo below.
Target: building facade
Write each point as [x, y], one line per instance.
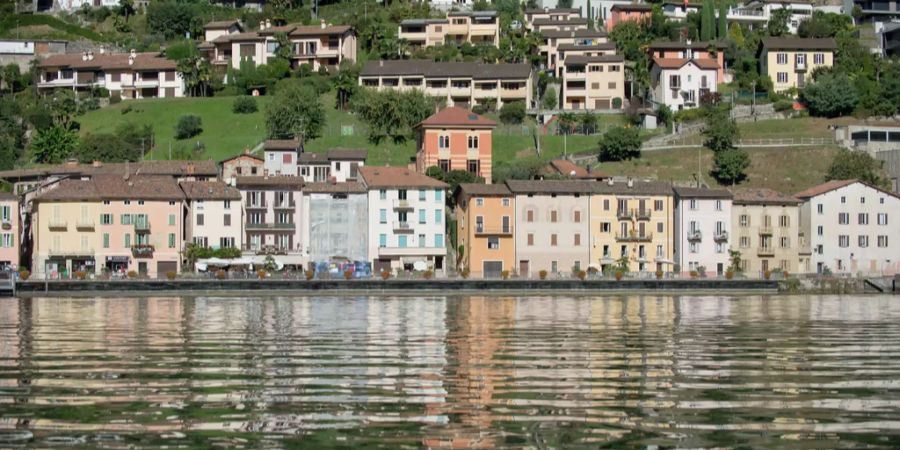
[9, 231]
[124, 75]
[682, 83]
[485, 216]
[406, 219]
[765, 229]
[214, 215]
[850, 229]
[699, 50]
[335, 165]
[593, 82]
[790, 61]
[280, 157]
[557, 44]
[273, 218]
[455, 139]
[556, 14]
[702, 228]
[337, 221]
[244, 164]
[628, 12]
[473, 27]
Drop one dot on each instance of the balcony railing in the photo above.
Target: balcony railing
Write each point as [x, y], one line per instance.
[270, 226]
[642, 214]
[694, 235]
[402, 204]
[57, 224]
[765, 230]
[720, 236]
[634, 237]
[84, 224]
[142, 225]
[285, 205]
[142, 251]
[800, 66]
[402, 227]
[493, 231]
[624, 214]
[765, 251]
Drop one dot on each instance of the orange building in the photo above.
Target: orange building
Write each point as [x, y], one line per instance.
[624, 13]
[485, 216]
[455, 139]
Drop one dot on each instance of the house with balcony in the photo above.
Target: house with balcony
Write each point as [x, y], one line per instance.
[702, 227]
[108, 224]
[242, 164]
[9, 231]
[790, 61]
[757, 13]
[455, 139]
[337, 165]
[485, 219]
[555, 24]
[632, 220]
[875, 11]
[280, 157]
[682, 83]
[422, 33]
[593, 82]
[571, 41]
[690, 50]
[214, 215]
[765, 229]
[336, 221]
[549, 14]
[582, 47]
[273, 218]
[215, 29]
[462, 84]
[124, 75]
[473, 27]
[675, 10]
[619, 13]
[406, 225]
[551, 226]
[851, 228]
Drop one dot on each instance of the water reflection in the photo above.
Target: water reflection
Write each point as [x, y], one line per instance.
[450, 372]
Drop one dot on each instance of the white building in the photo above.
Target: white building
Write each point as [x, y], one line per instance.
[336, 217]
[126, 75]
[702, 224]
[679, 83]
[273, 218]
[853, 227]
[214, 214]
[406, 219]
[336, 165]
[757, 13]
[280, 157]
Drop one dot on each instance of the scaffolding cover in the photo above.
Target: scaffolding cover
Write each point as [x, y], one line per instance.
[337, 227]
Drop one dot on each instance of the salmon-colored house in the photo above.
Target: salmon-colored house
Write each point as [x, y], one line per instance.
[455, 139]
[625, 13]
[9, 231]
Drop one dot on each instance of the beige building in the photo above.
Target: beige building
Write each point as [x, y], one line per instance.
[593, 82]
[553, 40]
[549, 14]
[476, 28]
[789, 61]
[558, 24]
[765, 229]
[462, 84]
[124, 75]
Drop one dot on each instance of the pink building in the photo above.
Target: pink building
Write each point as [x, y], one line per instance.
[625, 13]
[9, 231]
[273, 216]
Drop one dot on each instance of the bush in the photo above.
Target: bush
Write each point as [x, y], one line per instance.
[188, 126]
[617, 103]
[581, 275]
[620, 143]
[171, 274]
[767, 274]
[783, 105]
[132, 274]
[542, 274]
[24, 275]
[729, 274]
[619, 275]
[310, 275]
[244, 105]
[512, 112]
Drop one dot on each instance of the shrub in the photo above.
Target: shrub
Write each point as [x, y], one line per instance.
[427, 274]
[348, 274]
[581, 275]
[542, 274]
[783, 105]
[659, 274]
[620, 143]
[171, 274]
[619, 275]
[132, 274]
[244, 105]
[115, 98]
[188, 126]
[24, 274]
[220, 274]
[617, 103]
[465, 273]
[80, 275]
[729, 274]
[504, 274]
[512, 112]
[767, 274]
[592, 271]
[385, 274]
[261, 274]
[310, 275]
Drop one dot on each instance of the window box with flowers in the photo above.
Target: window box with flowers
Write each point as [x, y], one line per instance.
[142, 251]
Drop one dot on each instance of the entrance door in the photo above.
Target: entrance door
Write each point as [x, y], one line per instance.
[382, 265]
[602, 103]
[492, 269]
[523, 268]
[720, 269]
[165, 266]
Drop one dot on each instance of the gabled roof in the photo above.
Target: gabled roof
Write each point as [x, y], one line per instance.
[221, 25]
[445, 69]
[110, 61]
[578, 47]
[281, 145]
[836, 184]
[550, 21]
[242, 155]
[457, 117]
[579, 59]
[794, 43]
[674, 45]
[280, 181]
[350, 187]
[347, 154]
[317, 30]
[569, 169]
[115, 187]
[677, 63]
[573, 33]
[694, 192]
[174, 168]
[762, 196]
[70, 190]
[8, 196]
[553, 11]
[563, 187]
[378, 177]
[482, 189]
[472, 14]
[209, 190]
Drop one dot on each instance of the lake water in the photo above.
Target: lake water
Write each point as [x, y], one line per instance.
[461, 372]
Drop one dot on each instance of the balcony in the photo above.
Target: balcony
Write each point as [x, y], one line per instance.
[694, 235]
[765, 230]
[145, 83]
[142, 226]
[142, 251]
[412, 251]
[256, 205]
[624, 214]
[270, 226]
[402, 227]
[402, 204]
[765, 251]
[266, 249]
[642, 214]
[58, 224]
[634, 236]
[720, 236]
[285, 205]
[800, 66]
[69, 252]
[84, 224]
[493, 231]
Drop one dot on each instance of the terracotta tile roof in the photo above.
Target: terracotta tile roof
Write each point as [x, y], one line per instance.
[209, 190]
[632, 7]
[8, 196]
[347, 154]
[552, 11]
[794, 43]
[482, 189]
[115, 187]
[242, 155]
[837, 184]
[677, 63]
[549, 22]
[375, 177]
[445, 69]
[317, 30]
[236, 37]
[313, 158]
[576, 47]
[637, 188]
[693, 192]
[550, 186]
[174, 168]
[574, 33]
[221, 24]
[110, 61]
[457, 117]
[282, 181]
[281, 144]
[762, 196]
[334, 188]
[71, 190]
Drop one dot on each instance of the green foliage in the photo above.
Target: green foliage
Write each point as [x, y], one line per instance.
[53, 145]
[106, 147]
[783, 105]
[197, 74]
[174, 18]
[564, 4]
[295, 113]
[63, 106]
[707, 21]
[391, 114]
[181, 49]
[188, 126]
[734, 258]
[736, 34]
[778, 23]
[723, 20]
[345, 84]
[858, 165]
[12, 132]
[720, 131]
[824, 25]
[512, 112]
[485, 106]
[549, 98]
[619, 144]
[244, 104]
[589, 122]
[731, 165]
[454, 177]
[518, 169]
[830, 95]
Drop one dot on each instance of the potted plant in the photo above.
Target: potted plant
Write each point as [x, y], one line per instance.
[767, 274]
[132, 274]
[659, 274]
[427, 274]
[171, 274]
[542, 274]
[785, 274]
[504, 274]
[24, 274]
[348, 274]
[80, 275]
[385, 274]
[729, 274]
[581, 275]
[619, 275]
[465, 273]
[694, 274]
[220, 274]
[261, 274]
[310, 275]
[592, 271]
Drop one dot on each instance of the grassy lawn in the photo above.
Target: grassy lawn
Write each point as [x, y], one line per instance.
[786, 170]
[802, 127]
[46, 26]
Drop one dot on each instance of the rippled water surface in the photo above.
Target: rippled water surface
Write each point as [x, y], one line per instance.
[452, 372]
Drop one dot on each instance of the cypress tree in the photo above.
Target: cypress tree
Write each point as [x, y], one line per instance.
[723, 20]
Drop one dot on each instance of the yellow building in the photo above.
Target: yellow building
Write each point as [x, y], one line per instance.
[65, 233]
[485, 214]
[634, 219]
[789, 61]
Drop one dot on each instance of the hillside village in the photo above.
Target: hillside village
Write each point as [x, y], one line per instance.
[566, 139]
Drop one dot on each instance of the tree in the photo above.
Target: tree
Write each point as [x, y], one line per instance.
[723, 20]
[284, 47]
[454, 177]
[174, 18]
[53, 145]
[564, 4]
[63, 106]
[345, 84]
[589, 123]
[125, 9]
[106, 147]
[392, 114]
[11, 76]
[830, 95]
[855, 165]
[181, 49]
[197, 74]
[720, 131]
[734, 257]
[295, 113]
[824, 25]
[512, 112]
[549, 98]
[707, 21]
[778, 23]
[244, 104]
[188, 126]
[730, 165]
[736, 34]
[567, 122]
[619, 144]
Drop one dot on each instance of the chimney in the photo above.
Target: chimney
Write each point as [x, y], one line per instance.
[130, 60]
[262, 25]
[102, 50]
[133, 53]
[322, 24]
[71, 162]
[268, 24]
[90, 55]
[84, 56]
[246, 150]
[630, 183]
[190, 168]
[609, 181]
[380, 63]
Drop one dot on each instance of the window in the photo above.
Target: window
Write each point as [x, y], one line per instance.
[781, 58]
[443, 142]
[106, 219]
[785, 242]
[227, 204]
[692, 247]
[553, 240]
[382, 240]
[843, 199]
[820, 230]
[863, 241]
[745, 241]
[863, 218]
[401, 241]
[718, 205]
[843, 241]
[882, 219]
[105, 240]
[820, 209]
[529, 216]
[125, 219]
[577, 218]
[505, 202]
[606, 204]
[692, 204]
[530, 239]
[438, 195]
[473, 142]
[473, 165]
[577, 240]
[422, 240]
[862, 200]
[226, 242]
[843, 218]
[882, 241]
[657, 205]
[438, 216]
[605, 227]
[422, 216]
[818, 58]
[226, 220]
[171, 240]
[553, 216]
[784, 221]
[382, 216]
[659, 227]
[493, 243]
[127, 240]
[382, 194]
[744, 220]
[479, 201]
[200, 219]
[439, 240]
[782, 77]
[612, 84]
[422, 195]
[172, 220]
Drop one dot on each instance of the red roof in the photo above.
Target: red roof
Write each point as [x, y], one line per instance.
[836, 184]
[457, 117]
[677, 63]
